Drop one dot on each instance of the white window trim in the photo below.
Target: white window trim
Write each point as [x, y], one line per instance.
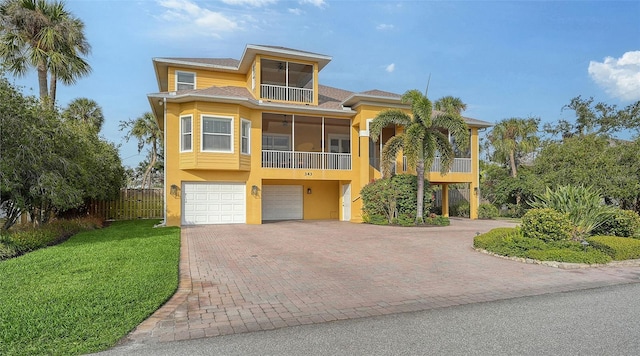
[289, 137]
[185, 72]
[341, 137]
[190, 117]
[242, 122]
[202, 118]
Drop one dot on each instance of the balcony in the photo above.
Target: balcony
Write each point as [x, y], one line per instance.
[306, 160]
[284, 93]
[460, 165]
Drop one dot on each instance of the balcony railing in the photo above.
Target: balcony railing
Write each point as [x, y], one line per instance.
[306, 160]
[278, 92]
[460, 165]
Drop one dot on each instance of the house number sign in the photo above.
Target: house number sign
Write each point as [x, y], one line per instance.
[308, 174]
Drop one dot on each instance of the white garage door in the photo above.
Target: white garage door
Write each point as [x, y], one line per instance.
[213, 203]
[281, 202]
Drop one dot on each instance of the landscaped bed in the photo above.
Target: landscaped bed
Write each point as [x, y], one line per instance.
[87, 293]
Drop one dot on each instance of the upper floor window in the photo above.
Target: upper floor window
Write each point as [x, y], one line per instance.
[186, 137]
[185, 80]
[245, 136]
[217, 134]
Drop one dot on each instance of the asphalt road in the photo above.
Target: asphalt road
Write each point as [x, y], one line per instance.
[603, 321]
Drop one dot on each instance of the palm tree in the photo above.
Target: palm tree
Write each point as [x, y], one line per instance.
[86, 111]
[43, 35]
[448, 103]
[425, 133]
[512, 139]
[145, 128]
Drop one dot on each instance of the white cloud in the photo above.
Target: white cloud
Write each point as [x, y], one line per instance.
[317, 3]
[186, 18]
[254, 3]
[390, 68]
[620, 77]
[297, 12]
[384, 26]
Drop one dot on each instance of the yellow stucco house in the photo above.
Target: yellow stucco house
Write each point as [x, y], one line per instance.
[260, 139]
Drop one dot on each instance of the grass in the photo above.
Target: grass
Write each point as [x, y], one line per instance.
[87, 293]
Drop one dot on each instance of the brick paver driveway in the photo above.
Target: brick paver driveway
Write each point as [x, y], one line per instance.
[239, 278]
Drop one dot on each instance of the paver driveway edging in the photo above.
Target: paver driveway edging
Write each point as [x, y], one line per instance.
[240, 278]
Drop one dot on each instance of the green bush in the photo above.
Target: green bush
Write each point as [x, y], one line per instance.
[393, 199]
[437, 220]
[590, 256]
[461, 209]
[623, 223]
[511, 242]
[494, 238]
[546, 224]
[619, 248]
[487, 211]
[583, 206]
[28, 238]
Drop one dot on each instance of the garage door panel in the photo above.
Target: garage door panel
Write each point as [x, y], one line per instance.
[282, 202]
[213, 203]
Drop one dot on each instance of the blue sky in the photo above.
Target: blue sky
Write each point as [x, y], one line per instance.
[503, 58]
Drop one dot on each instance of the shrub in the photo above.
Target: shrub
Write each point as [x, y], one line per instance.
[393, 199]
[461, 209]
[437, 220]
[583, 205]
[28, 238]
[590, 256]
[623, 223]
[546, 224]
[487, 211]
[619, 248]
[511, 242]
[494, 238]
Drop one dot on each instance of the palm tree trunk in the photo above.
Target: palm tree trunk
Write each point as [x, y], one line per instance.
[52, 89]
[512, 161]
[42, 80]
[420, 191]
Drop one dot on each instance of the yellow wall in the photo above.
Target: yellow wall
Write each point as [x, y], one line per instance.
[207, 78]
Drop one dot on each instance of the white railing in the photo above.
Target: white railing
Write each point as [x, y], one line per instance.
[306, 160]
[278, 92]
[460, 165]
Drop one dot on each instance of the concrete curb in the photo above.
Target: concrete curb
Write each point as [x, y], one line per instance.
[564, 265]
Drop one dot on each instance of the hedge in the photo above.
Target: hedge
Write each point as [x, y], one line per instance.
[619, 248]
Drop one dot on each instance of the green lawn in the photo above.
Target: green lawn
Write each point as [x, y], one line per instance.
[85, 294]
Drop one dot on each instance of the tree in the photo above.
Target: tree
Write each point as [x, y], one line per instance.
[450, 103]
[145, 128]
[43, 35]
[49, 165]
[596, 118]
[512, 139]
[86, 111]
[425, 132]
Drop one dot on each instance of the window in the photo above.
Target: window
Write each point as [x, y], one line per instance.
[276, 142]
[185, 80]
[185, 133]
[217, 134]
[245, 134]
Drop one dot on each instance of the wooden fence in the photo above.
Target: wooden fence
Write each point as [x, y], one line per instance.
[132, 204]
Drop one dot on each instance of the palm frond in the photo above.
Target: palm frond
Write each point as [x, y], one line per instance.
[389, 153]
[386, 118]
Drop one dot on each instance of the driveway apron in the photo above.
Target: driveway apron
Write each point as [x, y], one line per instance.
[243, 278]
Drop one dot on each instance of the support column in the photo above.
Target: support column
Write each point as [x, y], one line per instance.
[445, 199]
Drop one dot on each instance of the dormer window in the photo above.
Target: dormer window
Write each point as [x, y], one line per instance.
[185, 80]
[286, 81]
